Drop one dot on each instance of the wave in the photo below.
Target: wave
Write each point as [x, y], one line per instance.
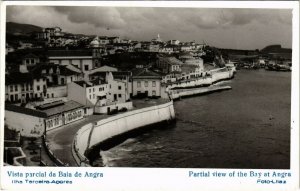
[190, 122]
[126, 150]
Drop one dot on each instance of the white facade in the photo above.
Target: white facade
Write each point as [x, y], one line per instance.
[185, 48]
[27, 125]
[88, 96]
[25, 91]
[97, 93]
[118, 91]
[63, 118]
[174, 42]
[56, 91]
[150, 87]
[197, 62]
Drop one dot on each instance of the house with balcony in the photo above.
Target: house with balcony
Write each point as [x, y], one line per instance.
[88, 93]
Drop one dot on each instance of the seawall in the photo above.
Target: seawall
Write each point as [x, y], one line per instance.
[216, 76]
[177, 94]
[93, 134]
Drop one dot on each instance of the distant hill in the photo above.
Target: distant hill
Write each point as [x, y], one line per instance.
[21, 29]
[276, 49]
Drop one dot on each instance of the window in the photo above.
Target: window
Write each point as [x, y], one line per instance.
[146, 83]
[138, 84]
[90, 90]
[90, 97]
[31, 86]
[71, 79]
[109, 86]
[93, 96]
[52, 94]
[22, 87]
[27, 88]
[11, 88]
[153, 83]
[32, 61]
[27, 61]
[86, 67]
[38, 88]
[153, 93]
[119, 87]
[100, 89]
[93, 89]
[16, 87]
[62, 80]
[56, 121]
[120, 95]
[47, 95]
[16, 97]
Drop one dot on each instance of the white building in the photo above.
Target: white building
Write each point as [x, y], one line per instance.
[23, 87]
[103, 93]
[35, 122]
[166, 49]
[145, 83]
[174, 42]
[88, 93]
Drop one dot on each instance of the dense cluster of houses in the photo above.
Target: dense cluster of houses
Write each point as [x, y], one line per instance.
[77, 76]
[55, 37]
[58, 86]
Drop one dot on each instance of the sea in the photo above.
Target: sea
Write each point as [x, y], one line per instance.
[245, 127]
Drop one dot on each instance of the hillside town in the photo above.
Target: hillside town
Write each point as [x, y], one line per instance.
[53, 78]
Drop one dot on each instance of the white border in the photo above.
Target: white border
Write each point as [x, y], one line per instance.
[167, 179]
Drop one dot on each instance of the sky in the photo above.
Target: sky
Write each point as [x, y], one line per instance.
[223, 28]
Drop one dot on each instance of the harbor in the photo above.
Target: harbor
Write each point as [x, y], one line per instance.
[255, 114]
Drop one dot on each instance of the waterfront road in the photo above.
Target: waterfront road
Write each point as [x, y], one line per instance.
[60, 140]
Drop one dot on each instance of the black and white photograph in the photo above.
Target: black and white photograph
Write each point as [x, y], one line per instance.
[148, 87]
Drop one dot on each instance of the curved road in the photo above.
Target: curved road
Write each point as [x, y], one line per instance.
[60, 140]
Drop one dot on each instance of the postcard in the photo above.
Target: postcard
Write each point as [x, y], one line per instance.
[151, 95]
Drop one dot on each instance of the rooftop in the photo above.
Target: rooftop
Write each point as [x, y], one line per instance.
[104, 69]
[82, 83]
[69, 53]
[24, 110]
[58, 107]
[30, 55]
[171, 60]
[63, 70]
[18, 78]
[144, 73]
